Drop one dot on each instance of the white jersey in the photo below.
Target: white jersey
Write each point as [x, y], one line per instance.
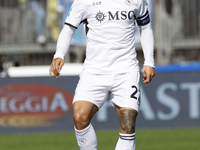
[110, 29]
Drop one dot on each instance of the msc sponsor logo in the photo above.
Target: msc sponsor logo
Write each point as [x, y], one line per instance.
[32, 105]
[100, 16]
[123, 15]
[118, 15]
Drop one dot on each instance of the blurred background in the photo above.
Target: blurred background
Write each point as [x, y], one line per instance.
[29, 30]
[29, 103]
[33, 102]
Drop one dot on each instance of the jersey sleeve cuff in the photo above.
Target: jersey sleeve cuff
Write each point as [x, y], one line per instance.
[58, 56]
[66, 23]
[151, 64]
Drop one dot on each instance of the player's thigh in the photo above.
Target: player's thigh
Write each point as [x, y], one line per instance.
[126, 92]
[92, 88]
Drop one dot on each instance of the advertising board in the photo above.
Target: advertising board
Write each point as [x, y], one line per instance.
[44, 104]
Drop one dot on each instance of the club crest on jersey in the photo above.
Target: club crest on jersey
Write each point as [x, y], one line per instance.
[100, 16]
[129, 2]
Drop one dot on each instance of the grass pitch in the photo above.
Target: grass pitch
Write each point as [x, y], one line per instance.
[165, 139]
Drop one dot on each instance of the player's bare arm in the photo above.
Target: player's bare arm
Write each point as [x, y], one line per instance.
[148, 73]
[56, 67]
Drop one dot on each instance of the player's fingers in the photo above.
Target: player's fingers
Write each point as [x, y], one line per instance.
[50, 72]
[146, 80]
[61, 65]
[152, 74]
[55, 68]
[58, 63]
[51, 69]
[149, 77]
[144, 75]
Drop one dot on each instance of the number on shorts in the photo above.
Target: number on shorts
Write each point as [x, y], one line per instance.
[136, 90]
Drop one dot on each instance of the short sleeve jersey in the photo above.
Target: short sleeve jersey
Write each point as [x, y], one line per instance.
[110, 30]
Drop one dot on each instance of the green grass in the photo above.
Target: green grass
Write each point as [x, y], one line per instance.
[168, 139]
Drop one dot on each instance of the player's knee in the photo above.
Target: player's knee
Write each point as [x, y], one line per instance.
[83, 113]
[81, 120]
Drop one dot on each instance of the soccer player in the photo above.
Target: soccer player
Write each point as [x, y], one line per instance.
[110, 65]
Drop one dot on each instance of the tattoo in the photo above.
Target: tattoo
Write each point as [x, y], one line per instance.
[128, 118]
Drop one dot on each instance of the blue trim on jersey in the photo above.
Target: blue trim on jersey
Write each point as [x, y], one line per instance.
[182, 67]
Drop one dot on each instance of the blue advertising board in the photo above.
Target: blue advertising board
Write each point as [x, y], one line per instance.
[43, 104]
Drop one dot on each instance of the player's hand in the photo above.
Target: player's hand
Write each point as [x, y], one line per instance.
[148, 73]
[56, 67]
